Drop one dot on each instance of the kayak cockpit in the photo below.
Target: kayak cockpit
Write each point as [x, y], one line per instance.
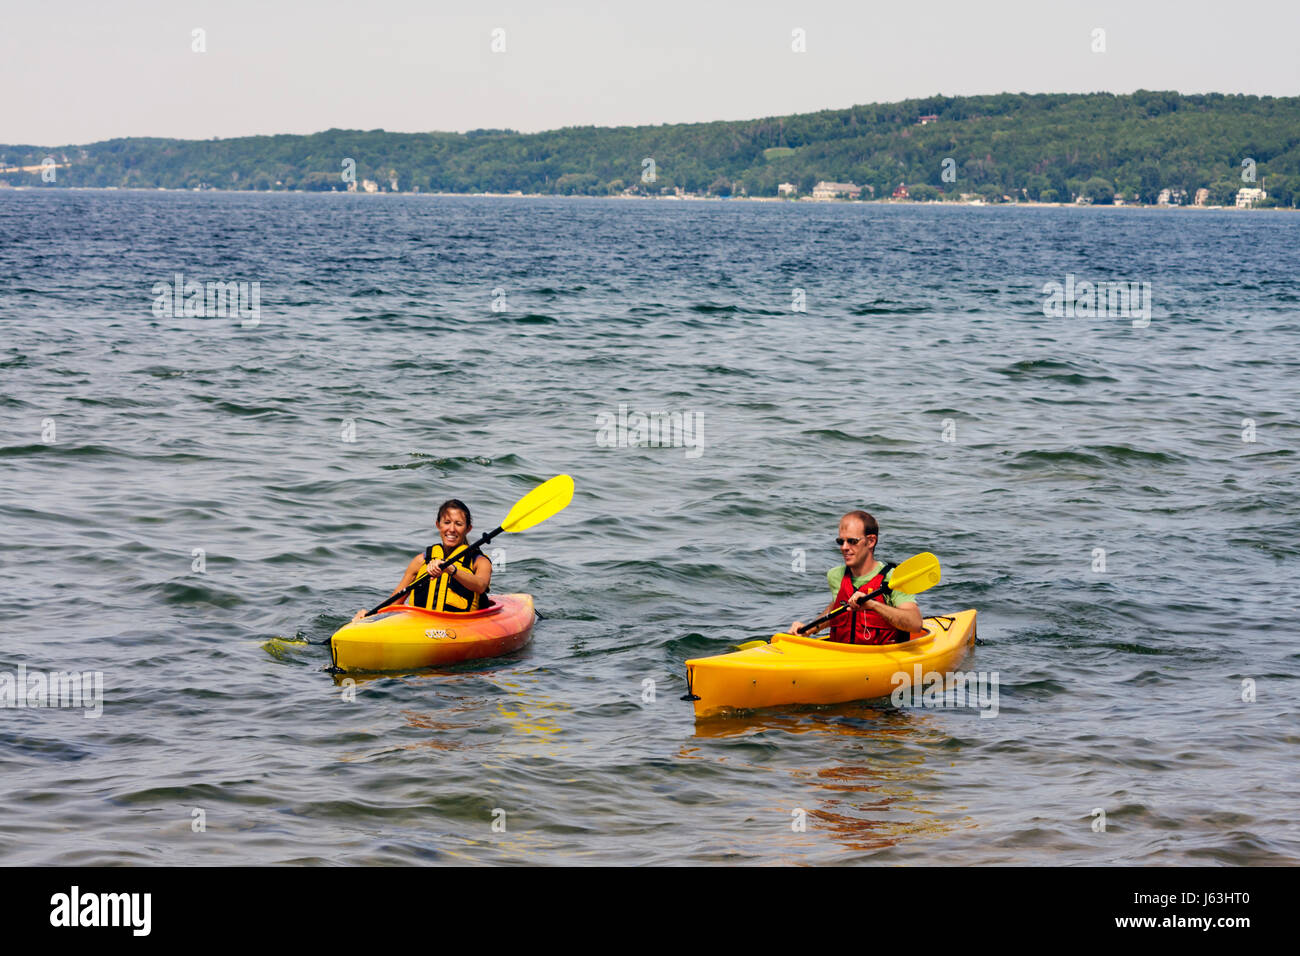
[494, 607]
[918, 641]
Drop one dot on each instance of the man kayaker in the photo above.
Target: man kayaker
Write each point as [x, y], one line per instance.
[875, 621]
[462, 589]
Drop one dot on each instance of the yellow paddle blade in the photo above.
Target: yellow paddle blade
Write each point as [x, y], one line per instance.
[280, 647]
[916, 574]
[547, 499]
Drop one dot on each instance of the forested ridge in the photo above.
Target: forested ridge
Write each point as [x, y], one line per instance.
[1046, 147]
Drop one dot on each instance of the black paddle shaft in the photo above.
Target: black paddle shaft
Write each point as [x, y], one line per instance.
[826, 617]
[470, 552]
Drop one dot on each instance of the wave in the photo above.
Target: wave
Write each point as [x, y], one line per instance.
[1098, 456]
[886, 307]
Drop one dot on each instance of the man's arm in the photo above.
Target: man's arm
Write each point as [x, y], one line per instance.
[905, 617]
[794, 628]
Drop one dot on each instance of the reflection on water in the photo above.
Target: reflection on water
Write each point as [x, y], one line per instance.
[528, 709]
[856, 719]
[426, 722]
[871, 799]
[528, 715]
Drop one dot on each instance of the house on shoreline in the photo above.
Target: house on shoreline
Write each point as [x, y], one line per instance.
[1246, 198]
[825, 190]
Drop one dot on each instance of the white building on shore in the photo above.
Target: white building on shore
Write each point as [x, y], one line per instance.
[1246, 198]
[825, 190]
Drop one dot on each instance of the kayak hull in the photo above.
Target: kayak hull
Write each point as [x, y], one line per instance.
[803, 670]
[401, 637]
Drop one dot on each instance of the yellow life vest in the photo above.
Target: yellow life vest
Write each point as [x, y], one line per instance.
[447, 594]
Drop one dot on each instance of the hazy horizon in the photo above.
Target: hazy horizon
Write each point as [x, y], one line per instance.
[94, 73]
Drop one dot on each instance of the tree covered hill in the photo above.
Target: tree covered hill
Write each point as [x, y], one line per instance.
[1050, 147]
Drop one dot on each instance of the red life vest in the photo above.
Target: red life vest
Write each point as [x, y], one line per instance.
[866, 626]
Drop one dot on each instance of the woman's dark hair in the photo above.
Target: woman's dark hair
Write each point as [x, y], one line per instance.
[459, 506]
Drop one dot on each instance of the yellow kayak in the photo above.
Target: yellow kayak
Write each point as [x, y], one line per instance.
[803, 670]
[401, 637]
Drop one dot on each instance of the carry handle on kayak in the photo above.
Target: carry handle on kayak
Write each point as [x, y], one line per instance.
[545, 501]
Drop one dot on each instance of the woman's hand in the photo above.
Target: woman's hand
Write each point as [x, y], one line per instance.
[358, 616]
[435, 568]
[796, 627]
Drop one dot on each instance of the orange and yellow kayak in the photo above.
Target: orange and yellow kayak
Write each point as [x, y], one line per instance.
[803, 670]
[401, 637]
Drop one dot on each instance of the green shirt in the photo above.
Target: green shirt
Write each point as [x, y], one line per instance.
[894, 598]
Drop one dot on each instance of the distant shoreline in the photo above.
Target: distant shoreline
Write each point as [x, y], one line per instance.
[718, 199]
[1142, 147]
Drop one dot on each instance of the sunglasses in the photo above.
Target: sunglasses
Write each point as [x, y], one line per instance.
[850, 541]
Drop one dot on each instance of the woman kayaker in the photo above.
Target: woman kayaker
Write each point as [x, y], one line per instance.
[464, 587]
[869, 622]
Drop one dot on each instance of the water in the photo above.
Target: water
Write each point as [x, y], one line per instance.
[181, 443]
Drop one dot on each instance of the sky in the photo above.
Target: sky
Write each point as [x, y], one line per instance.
[88, 70]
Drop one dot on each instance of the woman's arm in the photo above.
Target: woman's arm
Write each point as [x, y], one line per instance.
[412, 569]
[479, 579]
[476, 582]
[409, 575]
